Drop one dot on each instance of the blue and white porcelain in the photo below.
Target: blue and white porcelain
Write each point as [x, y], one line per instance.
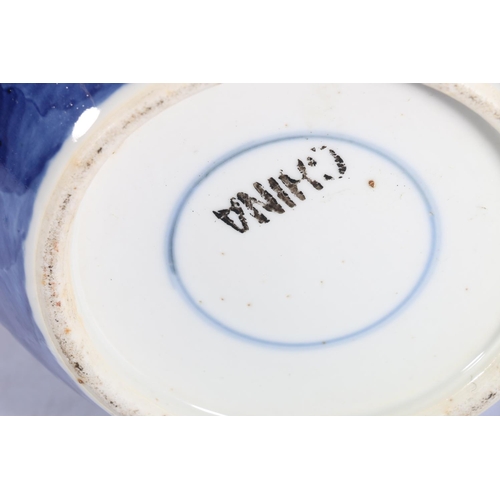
[283, 249]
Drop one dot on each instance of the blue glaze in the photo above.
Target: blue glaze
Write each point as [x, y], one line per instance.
[179, 283]
[35, 120]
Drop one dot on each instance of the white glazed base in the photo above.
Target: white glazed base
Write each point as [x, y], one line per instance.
[371, 289]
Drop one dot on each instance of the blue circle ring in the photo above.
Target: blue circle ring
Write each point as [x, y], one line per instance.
[179, 284]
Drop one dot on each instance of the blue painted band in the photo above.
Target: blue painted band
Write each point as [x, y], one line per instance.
[180, 285]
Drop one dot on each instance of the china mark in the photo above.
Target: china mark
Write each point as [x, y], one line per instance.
[245, 202]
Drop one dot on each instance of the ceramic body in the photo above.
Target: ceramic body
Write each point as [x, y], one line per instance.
[300, 249]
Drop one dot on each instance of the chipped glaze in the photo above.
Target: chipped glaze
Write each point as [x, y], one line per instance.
[139, 341]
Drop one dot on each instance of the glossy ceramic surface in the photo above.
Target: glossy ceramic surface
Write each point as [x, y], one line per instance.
[266, 249]
[35, 120]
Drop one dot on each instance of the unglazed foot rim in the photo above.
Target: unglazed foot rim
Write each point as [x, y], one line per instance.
[54, 288]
